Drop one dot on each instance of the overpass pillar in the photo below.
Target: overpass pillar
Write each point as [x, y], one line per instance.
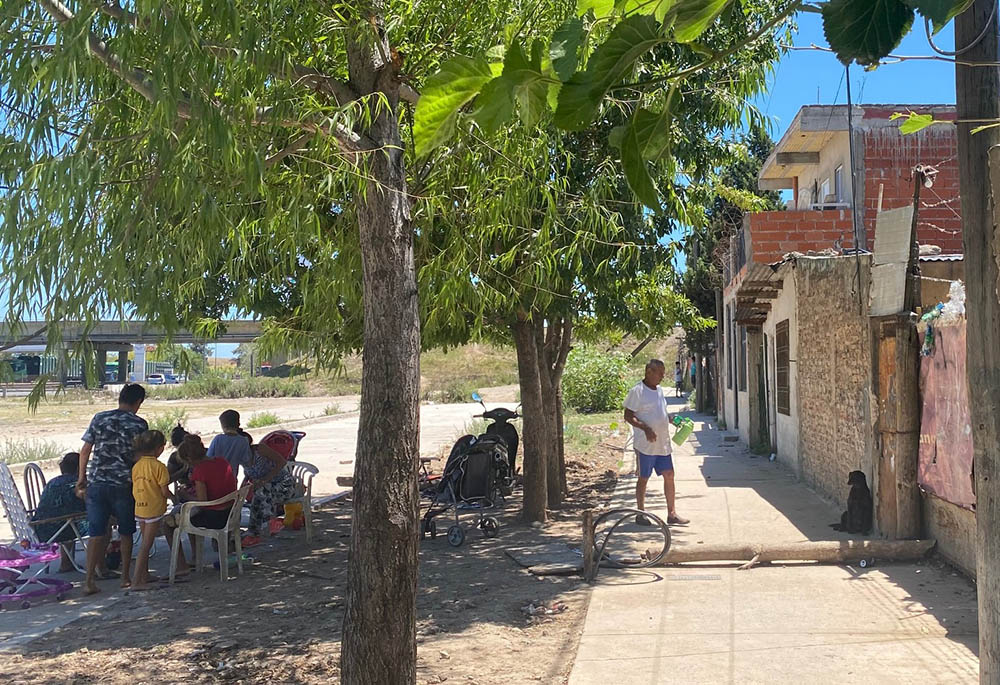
[139, 363]
[122, 366]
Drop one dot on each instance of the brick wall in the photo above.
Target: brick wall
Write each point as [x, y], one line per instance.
[774, 234]
[833, 373]
[889, 158]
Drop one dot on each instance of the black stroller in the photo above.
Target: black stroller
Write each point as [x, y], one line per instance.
[476, 478]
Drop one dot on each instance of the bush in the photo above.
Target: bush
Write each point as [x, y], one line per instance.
[23, 451]
[165, 421]
[224, 388]
[594, 380]
[455, 391]
[264, 418]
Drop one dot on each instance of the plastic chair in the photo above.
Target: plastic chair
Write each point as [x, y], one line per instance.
[34, 483]
[303, 474]
[22, 525]
[220, 536]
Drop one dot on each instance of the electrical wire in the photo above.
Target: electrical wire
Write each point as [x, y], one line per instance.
[626, 515]
[962, 51]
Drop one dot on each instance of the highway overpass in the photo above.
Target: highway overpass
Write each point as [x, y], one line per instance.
[122, 335]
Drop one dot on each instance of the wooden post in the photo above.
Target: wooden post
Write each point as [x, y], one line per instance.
[977, 92]
[588, 545]
[721, 350]
[898, 498]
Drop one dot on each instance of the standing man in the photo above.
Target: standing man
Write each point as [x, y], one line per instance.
[646, 411]
[105, 479]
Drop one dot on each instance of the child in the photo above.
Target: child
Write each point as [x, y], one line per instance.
[231, 446]
[678, 379]
[149, 488]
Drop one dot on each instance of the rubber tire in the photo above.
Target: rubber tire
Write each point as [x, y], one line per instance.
[432, 528]
[508, 434]
[490, 526]
[456, 536]
[25, 604]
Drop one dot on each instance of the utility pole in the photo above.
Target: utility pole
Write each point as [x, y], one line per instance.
[977, 90]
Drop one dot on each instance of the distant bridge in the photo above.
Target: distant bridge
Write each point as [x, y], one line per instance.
[122, 335]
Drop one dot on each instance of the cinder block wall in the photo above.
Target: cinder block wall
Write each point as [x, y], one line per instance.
[834, 372]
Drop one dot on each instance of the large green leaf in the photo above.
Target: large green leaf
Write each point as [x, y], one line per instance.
[565, 47]
[602, 8]
[636, 171]
[582, 94]
[494, 106]
[940, 12]
[458, 81]
[694, 16]
[865, 30]
[653, 130]
[657, 8]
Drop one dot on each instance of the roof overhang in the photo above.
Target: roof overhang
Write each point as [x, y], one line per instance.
[755, 293]
[799, 149]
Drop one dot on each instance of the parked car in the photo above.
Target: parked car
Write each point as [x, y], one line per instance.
[156, 379]
[170, 379]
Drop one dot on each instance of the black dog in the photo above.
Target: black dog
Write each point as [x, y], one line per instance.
[858, 517]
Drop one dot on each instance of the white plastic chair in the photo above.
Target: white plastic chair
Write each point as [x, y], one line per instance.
[22, 525]
[303, 474]
[221, 536]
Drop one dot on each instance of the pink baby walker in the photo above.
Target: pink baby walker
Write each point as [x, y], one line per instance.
[19, 585]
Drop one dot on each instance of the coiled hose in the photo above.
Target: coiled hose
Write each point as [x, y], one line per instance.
[625, 515]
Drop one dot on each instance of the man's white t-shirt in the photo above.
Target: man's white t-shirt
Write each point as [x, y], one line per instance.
[650, 407]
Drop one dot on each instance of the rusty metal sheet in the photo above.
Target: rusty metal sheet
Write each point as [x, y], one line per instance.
[945, 464]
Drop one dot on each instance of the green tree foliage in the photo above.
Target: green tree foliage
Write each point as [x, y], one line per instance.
[595, 380]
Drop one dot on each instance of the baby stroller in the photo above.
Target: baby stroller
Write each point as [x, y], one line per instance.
[476, 477]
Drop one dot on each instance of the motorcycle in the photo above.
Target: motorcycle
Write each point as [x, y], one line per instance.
[502, 428]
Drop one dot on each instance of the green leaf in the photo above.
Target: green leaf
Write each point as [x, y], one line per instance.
[445, 92]
[940, 12]
[582, 94]
[494, 106]
[602, 8]
[865, 30]
[565, 47]
[915, 122]
[694, 16]
[636, 171]
[653, 130]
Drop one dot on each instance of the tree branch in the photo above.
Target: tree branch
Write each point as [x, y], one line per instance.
[139, 81]
[26, 339]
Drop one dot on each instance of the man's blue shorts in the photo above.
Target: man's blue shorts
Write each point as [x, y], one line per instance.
[649, 462]
[105, 500]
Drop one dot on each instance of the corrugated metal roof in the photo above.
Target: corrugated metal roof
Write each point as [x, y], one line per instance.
[942, 258]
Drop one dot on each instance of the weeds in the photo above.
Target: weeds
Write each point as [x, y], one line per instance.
[217, 386]
[331, 410]
[22, 451]
[264, 418]
[165, 421]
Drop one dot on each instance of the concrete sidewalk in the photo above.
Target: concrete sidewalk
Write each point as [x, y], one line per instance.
[773, 624]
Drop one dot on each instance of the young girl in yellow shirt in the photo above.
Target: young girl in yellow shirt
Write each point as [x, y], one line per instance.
[149, 488]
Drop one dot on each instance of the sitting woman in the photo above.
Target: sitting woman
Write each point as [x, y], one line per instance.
[273, 485]
[212, 479]
[59, 499]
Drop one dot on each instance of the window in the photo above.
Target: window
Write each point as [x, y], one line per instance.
[743, 359]
[781, 381]
[824, 192]
[838, 183]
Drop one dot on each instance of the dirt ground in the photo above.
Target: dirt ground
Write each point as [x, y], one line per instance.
[282, 620]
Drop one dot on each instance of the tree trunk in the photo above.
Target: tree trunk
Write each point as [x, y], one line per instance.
[977, 90]
[553, 353]
[549, 441]
[379, 640]
[533, 431]
[699, 382]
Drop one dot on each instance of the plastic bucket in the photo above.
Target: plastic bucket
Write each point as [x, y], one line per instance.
[682, 433]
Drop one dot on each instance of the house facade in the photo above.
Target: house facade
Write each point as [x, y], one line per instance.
[798, 361]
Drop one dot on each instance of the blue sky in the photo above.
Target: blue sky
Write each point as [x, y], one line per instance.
[810, 77]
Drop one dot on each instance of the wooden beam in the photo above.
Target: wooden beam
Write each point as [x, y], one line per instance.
[767, 285]
[786, 158]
